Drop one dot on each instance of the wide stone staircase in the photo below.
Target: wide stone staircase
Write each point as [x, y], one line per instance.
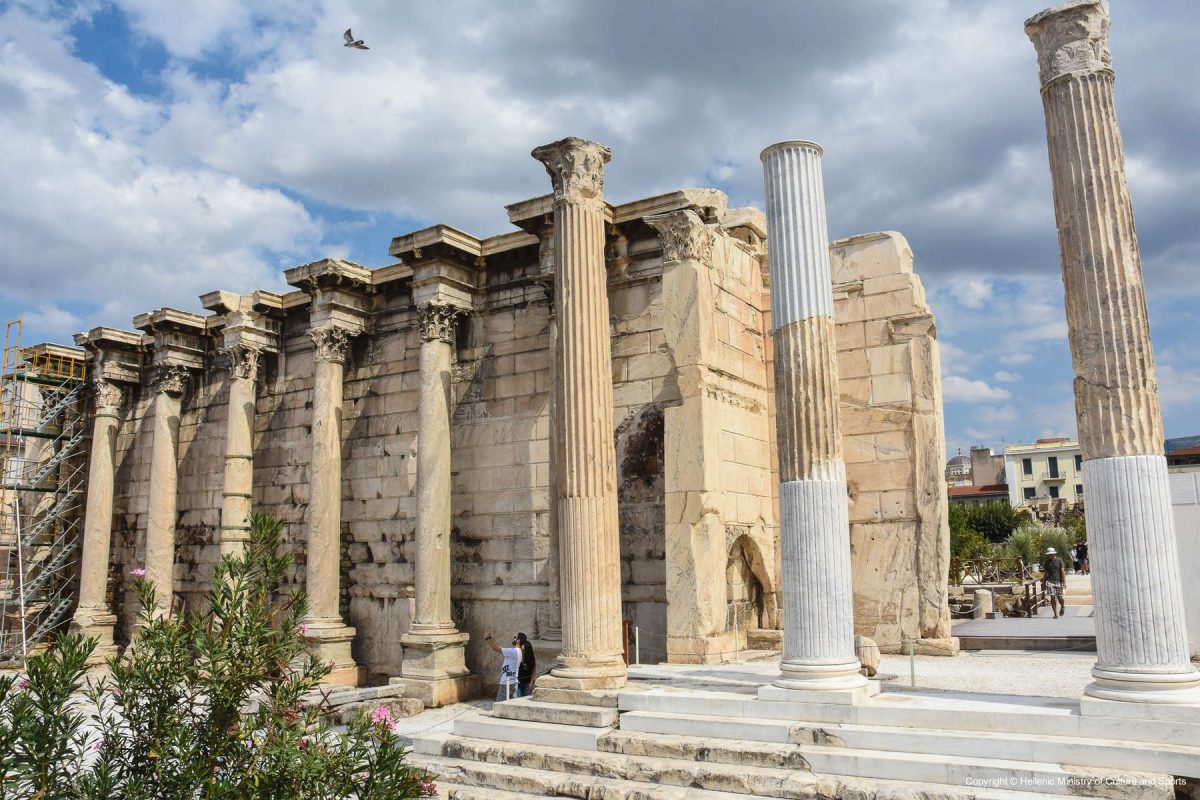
[669, 743]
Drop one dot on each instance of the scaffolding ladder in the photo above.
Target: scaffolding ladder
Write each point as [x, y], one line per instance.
[43, 431]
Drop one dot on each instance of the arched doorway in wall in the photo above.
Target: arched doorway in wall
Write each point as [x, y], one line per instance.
[750, 589]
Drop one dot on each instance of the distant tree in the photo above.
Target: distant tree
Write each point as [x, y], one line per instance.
[965, 541]
[995, 521]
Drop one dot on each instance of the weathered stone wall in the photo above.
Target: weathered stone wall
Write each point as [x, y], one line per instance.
[694, 437]
[889, 374]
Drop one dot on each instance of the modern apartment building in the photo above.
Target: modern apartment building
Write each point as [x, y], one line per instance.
[1045, 471]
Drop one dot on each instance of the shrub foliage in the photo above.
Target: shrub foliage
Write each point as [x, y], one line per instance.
[207, 704]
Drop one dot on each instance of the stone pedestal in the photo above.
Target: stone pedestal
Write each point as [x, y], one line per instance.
[434, 666]
[168, 385]
[238, 488]
[589, 546]
[92, 615]
[328, 636]
[1141, 638]
[818, 609]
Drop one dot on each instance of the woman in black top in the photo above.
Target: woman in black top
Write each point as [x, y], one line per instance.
[527, 671]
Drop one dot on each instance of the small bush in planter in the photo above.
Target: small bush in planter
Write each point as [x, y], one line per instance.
[206, 705]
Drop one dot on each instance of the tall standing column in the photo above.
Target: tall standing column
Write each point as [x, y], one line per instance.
[329, 637]
[238, 488]
[93, 617]
[589, 544]
[1141, 639]
[434, 666]
[168, 385]
[818, 604]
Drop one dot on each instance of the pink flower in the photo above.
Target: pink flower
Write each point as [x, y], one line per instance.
[116, 690]
[303, 630]
[382, 714]
[429, 788]
[138, 573]
[98, 745]
[23, 683]
[332, 664]
[364, 775]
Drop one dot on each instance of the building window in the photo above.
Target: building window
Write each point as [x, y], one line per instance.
[1029, 492]
[1053, 461]
[1026, 466]
[1079, 491]
[1053, 492]
[1079, 463]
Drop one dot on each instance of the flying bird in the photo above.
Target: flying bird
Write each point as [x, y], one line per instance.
[352, 42]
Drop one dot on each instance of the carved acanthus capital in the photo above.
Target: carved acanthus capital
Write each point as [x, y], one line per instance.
[244, 361]
[106, 396]
[438, 322]
[683, 235]
[576, 168]
[1071, 38]
[170, 379]
[330, 344]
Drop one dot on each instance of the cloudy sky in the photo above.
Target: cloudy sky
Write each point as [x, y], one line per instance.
[153, 151]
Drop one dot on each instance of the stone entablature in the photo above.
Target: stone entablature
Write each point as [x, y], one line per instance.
[678, 368]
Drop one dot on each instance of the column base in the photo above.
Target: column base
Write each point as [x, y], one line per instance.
[832, 678]
[434, 692]
[579, 673]
[1111, 688]
[434, 668]
[833, 697]
[330, 641]
[97, 624]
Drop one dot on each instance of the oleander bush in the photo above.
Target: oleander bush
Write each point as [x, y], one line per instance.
[208, 704]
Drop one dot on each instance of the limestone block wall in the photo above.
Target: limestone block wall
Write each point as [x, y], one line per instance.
[893, 438]
[693, 401]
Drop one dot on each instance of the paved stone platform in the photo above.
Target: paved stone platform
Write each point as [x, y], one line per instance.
[1075, 630]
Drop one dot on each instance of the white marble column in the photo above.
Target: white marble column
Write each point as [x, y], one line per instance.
[553, 629]
[434, 665]
[1141, 639]
[238, 488]
[818, 603]
[168, 386]
[589, 544]
[328, 636]
[93, 617]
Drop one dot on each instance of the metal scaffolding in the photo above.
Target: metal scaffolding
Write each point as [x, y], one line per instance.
[43, 429]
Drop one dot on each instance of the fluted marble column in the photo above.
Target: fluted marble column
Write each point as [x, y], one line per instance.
[818, 603]
[168, 385]
[434, 655]
[328, 636]
[552, 632]
[238, 488]
[589, 545]
[1141, 640]
[93, 617]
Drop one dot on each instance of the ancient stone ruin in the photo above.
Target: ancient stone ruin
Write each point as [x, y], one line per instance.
[400, 421]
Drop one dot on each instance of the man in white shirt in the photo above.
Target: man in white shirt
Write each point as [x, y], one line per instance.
[508, 672]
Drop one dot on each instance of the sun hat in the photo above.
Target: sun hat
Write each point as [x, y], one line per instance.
[1050, 551]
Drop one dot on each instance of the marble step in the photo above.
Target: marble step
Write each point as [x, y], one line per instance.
[558, 772]
[943, 711]
[579, 697]
[485, 726]
[453, 791]
[681, 736]
[530, 710]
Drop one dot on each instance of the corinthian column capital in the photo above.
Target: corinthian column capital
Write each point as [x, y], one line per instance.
[170, 379]
[1071, 38]
[331, 344]
[683, 235]
[438, 321]
[244, 360]
[576, 168]
[106, 396]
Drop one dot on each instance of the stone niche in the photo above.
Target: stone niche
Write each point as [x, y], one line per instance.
[694, 432]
